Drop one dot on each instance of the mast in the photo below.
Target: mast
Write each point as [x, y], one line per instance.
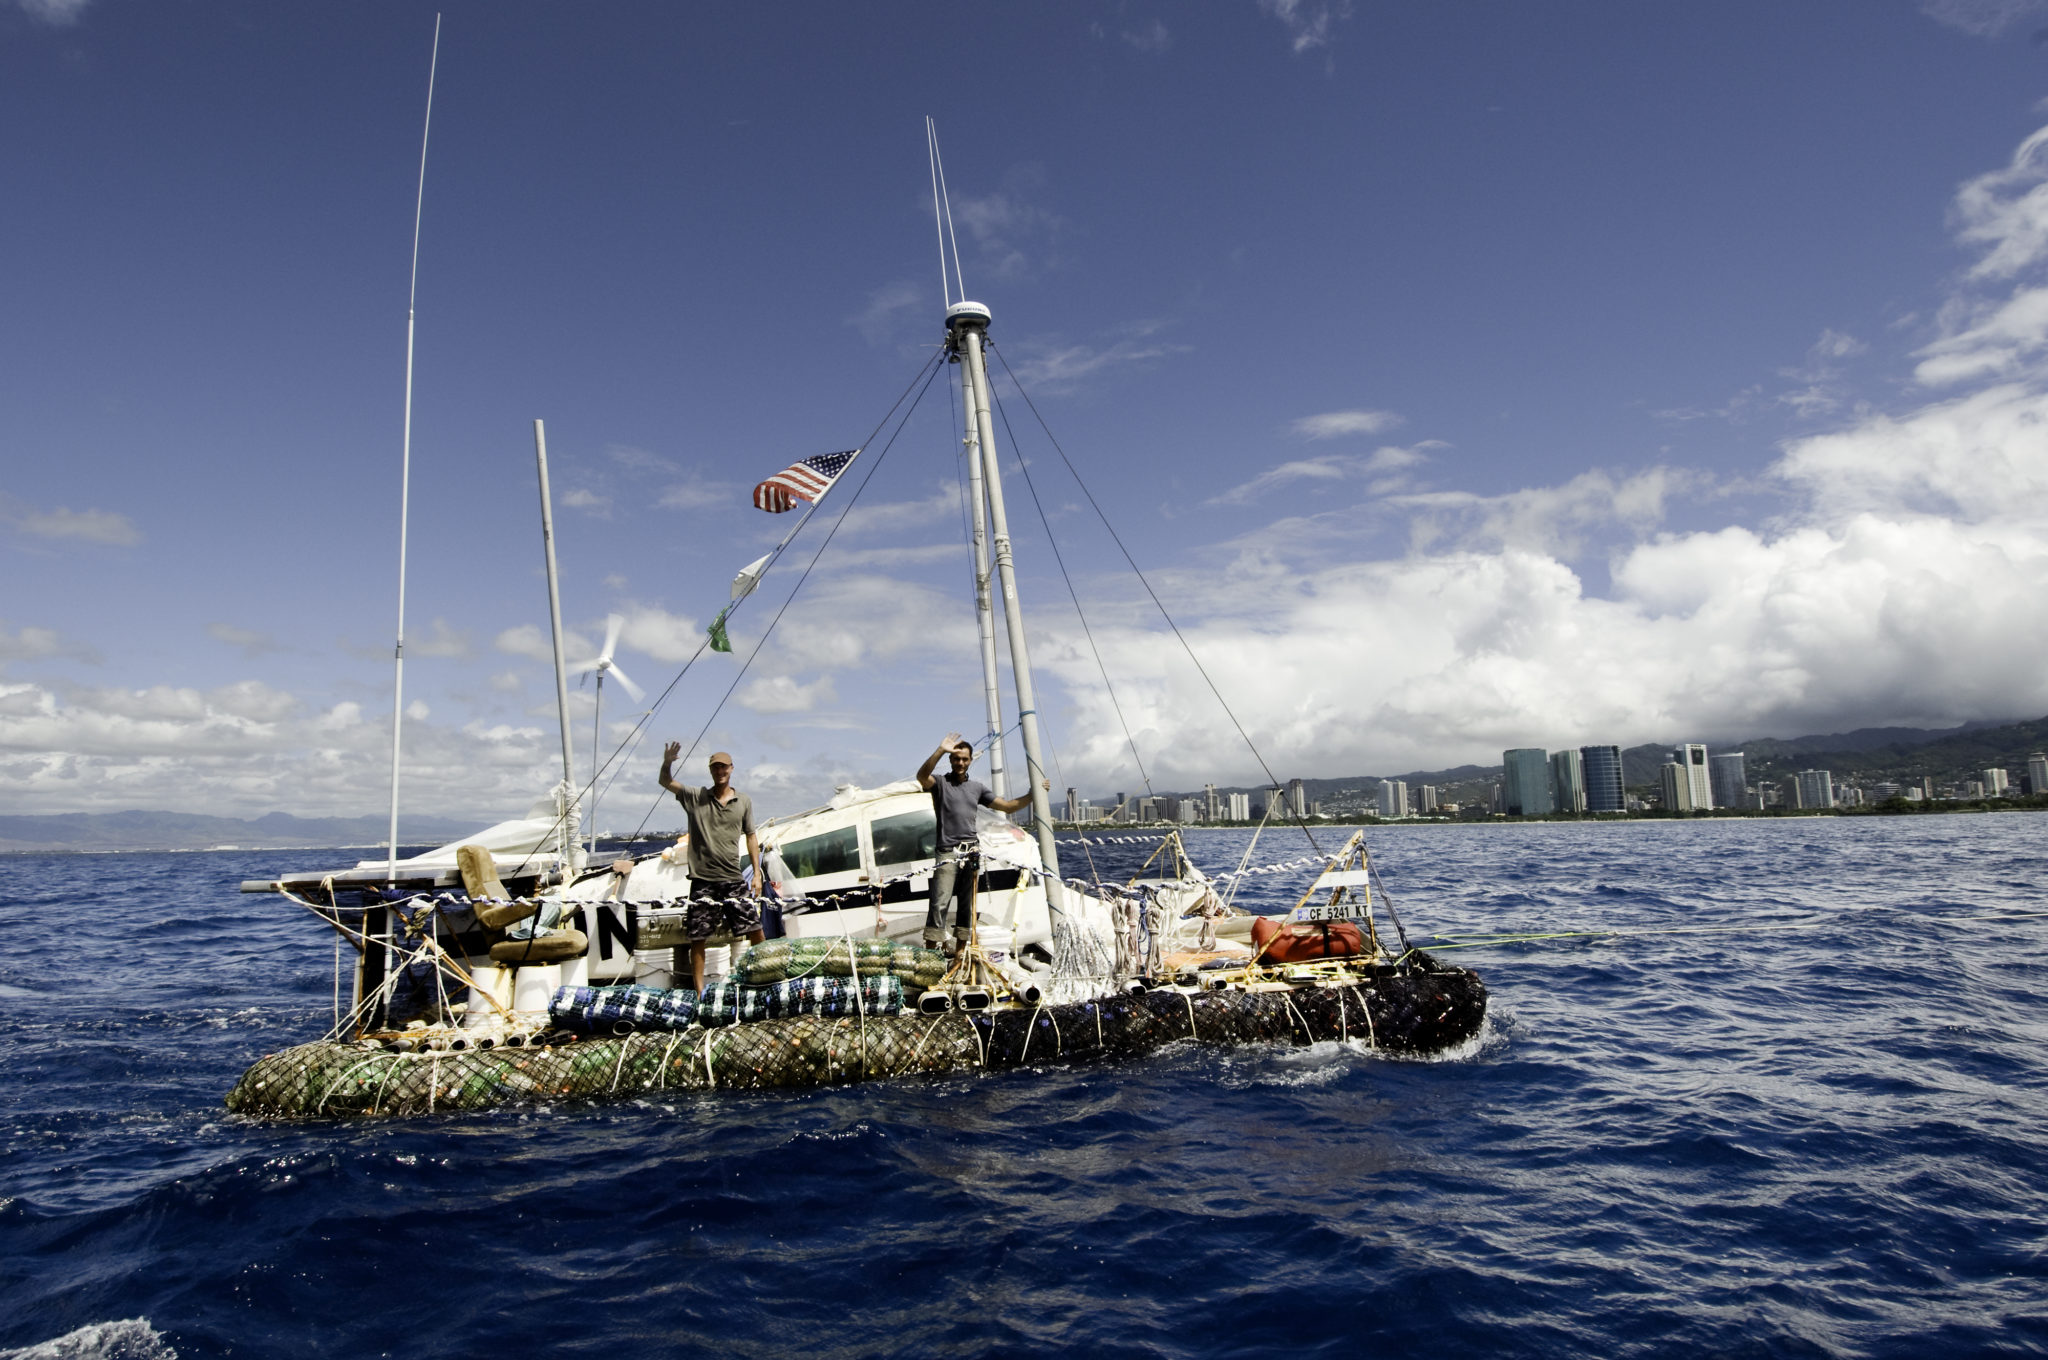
[547, 538]
[419, 205]
[967, 331]
[984, 602]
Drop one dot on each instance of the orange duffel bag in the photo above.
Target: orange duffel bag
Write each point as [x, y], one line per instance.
[1299, 941]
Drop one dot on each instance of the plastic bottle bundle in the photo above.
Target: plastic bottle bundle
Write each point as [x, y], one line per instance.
[775, 961]
[599, 1009]
[725, 1003]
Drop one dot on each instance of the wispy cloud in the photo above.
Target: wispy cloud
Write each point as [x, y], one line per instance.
[698, 494]
[1333, 424]
[639, 460]
[885, 309]
[31, 644]
[1329, 468]
[1150, 38]
[1064, 366]
[1309, 23]
[249, 641]
[1982, 18]
[56, 13]
[588, 501]
[89, 526]
[1011, 227]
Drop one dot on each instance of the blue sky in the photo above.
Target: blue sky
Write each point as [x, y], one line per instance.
[1466, 375]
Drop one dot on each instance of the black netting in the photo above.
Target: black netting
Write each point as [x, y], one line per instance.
[1426, 1009]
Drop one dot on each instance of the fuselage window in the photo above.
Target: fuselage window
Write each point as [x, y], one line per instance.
[835, 852]
[906, 837]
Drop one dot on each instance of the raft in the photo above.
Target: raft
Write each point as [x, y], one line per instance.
[1424, 1007]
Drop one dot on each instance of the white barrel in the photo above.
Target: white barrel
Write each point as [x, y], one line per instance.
[492, 979]
[717, 963]
[576, 971]
[997, 942]
[534, 986]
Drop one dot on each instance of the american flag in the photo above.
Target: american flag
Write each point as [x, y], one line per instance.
[806, 480]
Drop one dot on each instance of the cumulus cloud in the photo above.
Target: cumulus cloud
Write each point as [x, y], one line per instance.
[1982, 18]
[783, 694]
[441, 640]
[531, 640]
[1150, 38]
[1904, 581]
[588, 501]
[697, 493]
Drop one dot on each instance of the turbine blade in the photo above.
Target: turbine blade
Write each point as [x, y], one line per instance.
[612, 624]
[631, 688]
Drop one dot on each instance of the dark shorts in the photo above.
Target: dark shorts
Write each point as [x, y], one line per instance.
[720, 906]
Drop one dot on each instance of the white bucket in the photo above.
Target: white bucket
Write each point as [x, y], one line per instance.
[652, 969]
[492, 979]
[576, 971]
[996, 942]
[717, 963]
[534, 986]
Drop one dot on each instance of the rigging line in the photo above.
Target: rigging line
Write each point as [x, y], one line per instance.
[1271, 778]
[1072, 594]
[931, 143]
[813, 563]
[647, 717]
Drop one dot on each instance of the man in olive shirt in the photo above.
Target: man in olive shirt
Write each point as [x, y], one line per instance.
[954, 799]
[719, 815]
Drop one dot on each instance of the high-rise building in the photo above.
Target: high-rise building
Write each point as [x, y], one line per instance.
[1297, 797]
[1073, 805]
[1393, 798]
[1567, 781]
[1600, 768]
[1148, 809]
[1995, 783]
[1525, 782]
[1677, 787]
[1240, 807]
[1816, 789]
[1210, 808]
[1426, 798]
[1728, 780]
[1693, 757]
[2037, 772]
[1124, 811]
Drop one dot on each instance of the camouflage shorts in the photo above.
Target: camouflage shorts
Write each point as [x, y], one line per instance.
[716, 907]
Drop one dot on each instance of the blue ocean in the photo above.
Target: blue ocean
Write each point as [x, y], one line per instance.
[1762, 1088]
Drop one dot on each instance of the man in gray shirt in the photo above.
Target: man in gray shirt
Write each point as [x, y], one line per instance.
[719, 815]
[954, 799]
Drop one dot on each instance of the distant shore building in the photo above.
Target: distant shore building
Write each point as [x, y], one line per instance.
[1240, 807]
[1567, 781]
[2037, 772]
[1393, 799]
[1693, 757]
[1525, 782]
[1297, 797]
[1728, 780]
[1816, 789]
[1676, 787]
[1600, 768]
[1073, 805]
[1210, 808]
[1425, 798]
[1996, 782]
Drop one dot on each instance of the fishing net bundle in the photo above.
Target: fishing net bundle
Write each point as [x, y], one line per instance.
[774, 961]
[1426, 1009]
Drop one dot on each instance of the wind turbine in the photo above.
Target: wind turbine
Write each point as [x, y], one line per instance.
[602, 665]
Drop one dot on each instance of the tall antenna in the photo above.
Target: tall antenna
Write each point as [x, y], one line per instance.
[405, 462]
[942, 205]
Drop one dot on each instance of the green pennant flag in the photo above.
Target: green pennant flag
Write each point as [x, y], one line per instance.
[719, 641]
